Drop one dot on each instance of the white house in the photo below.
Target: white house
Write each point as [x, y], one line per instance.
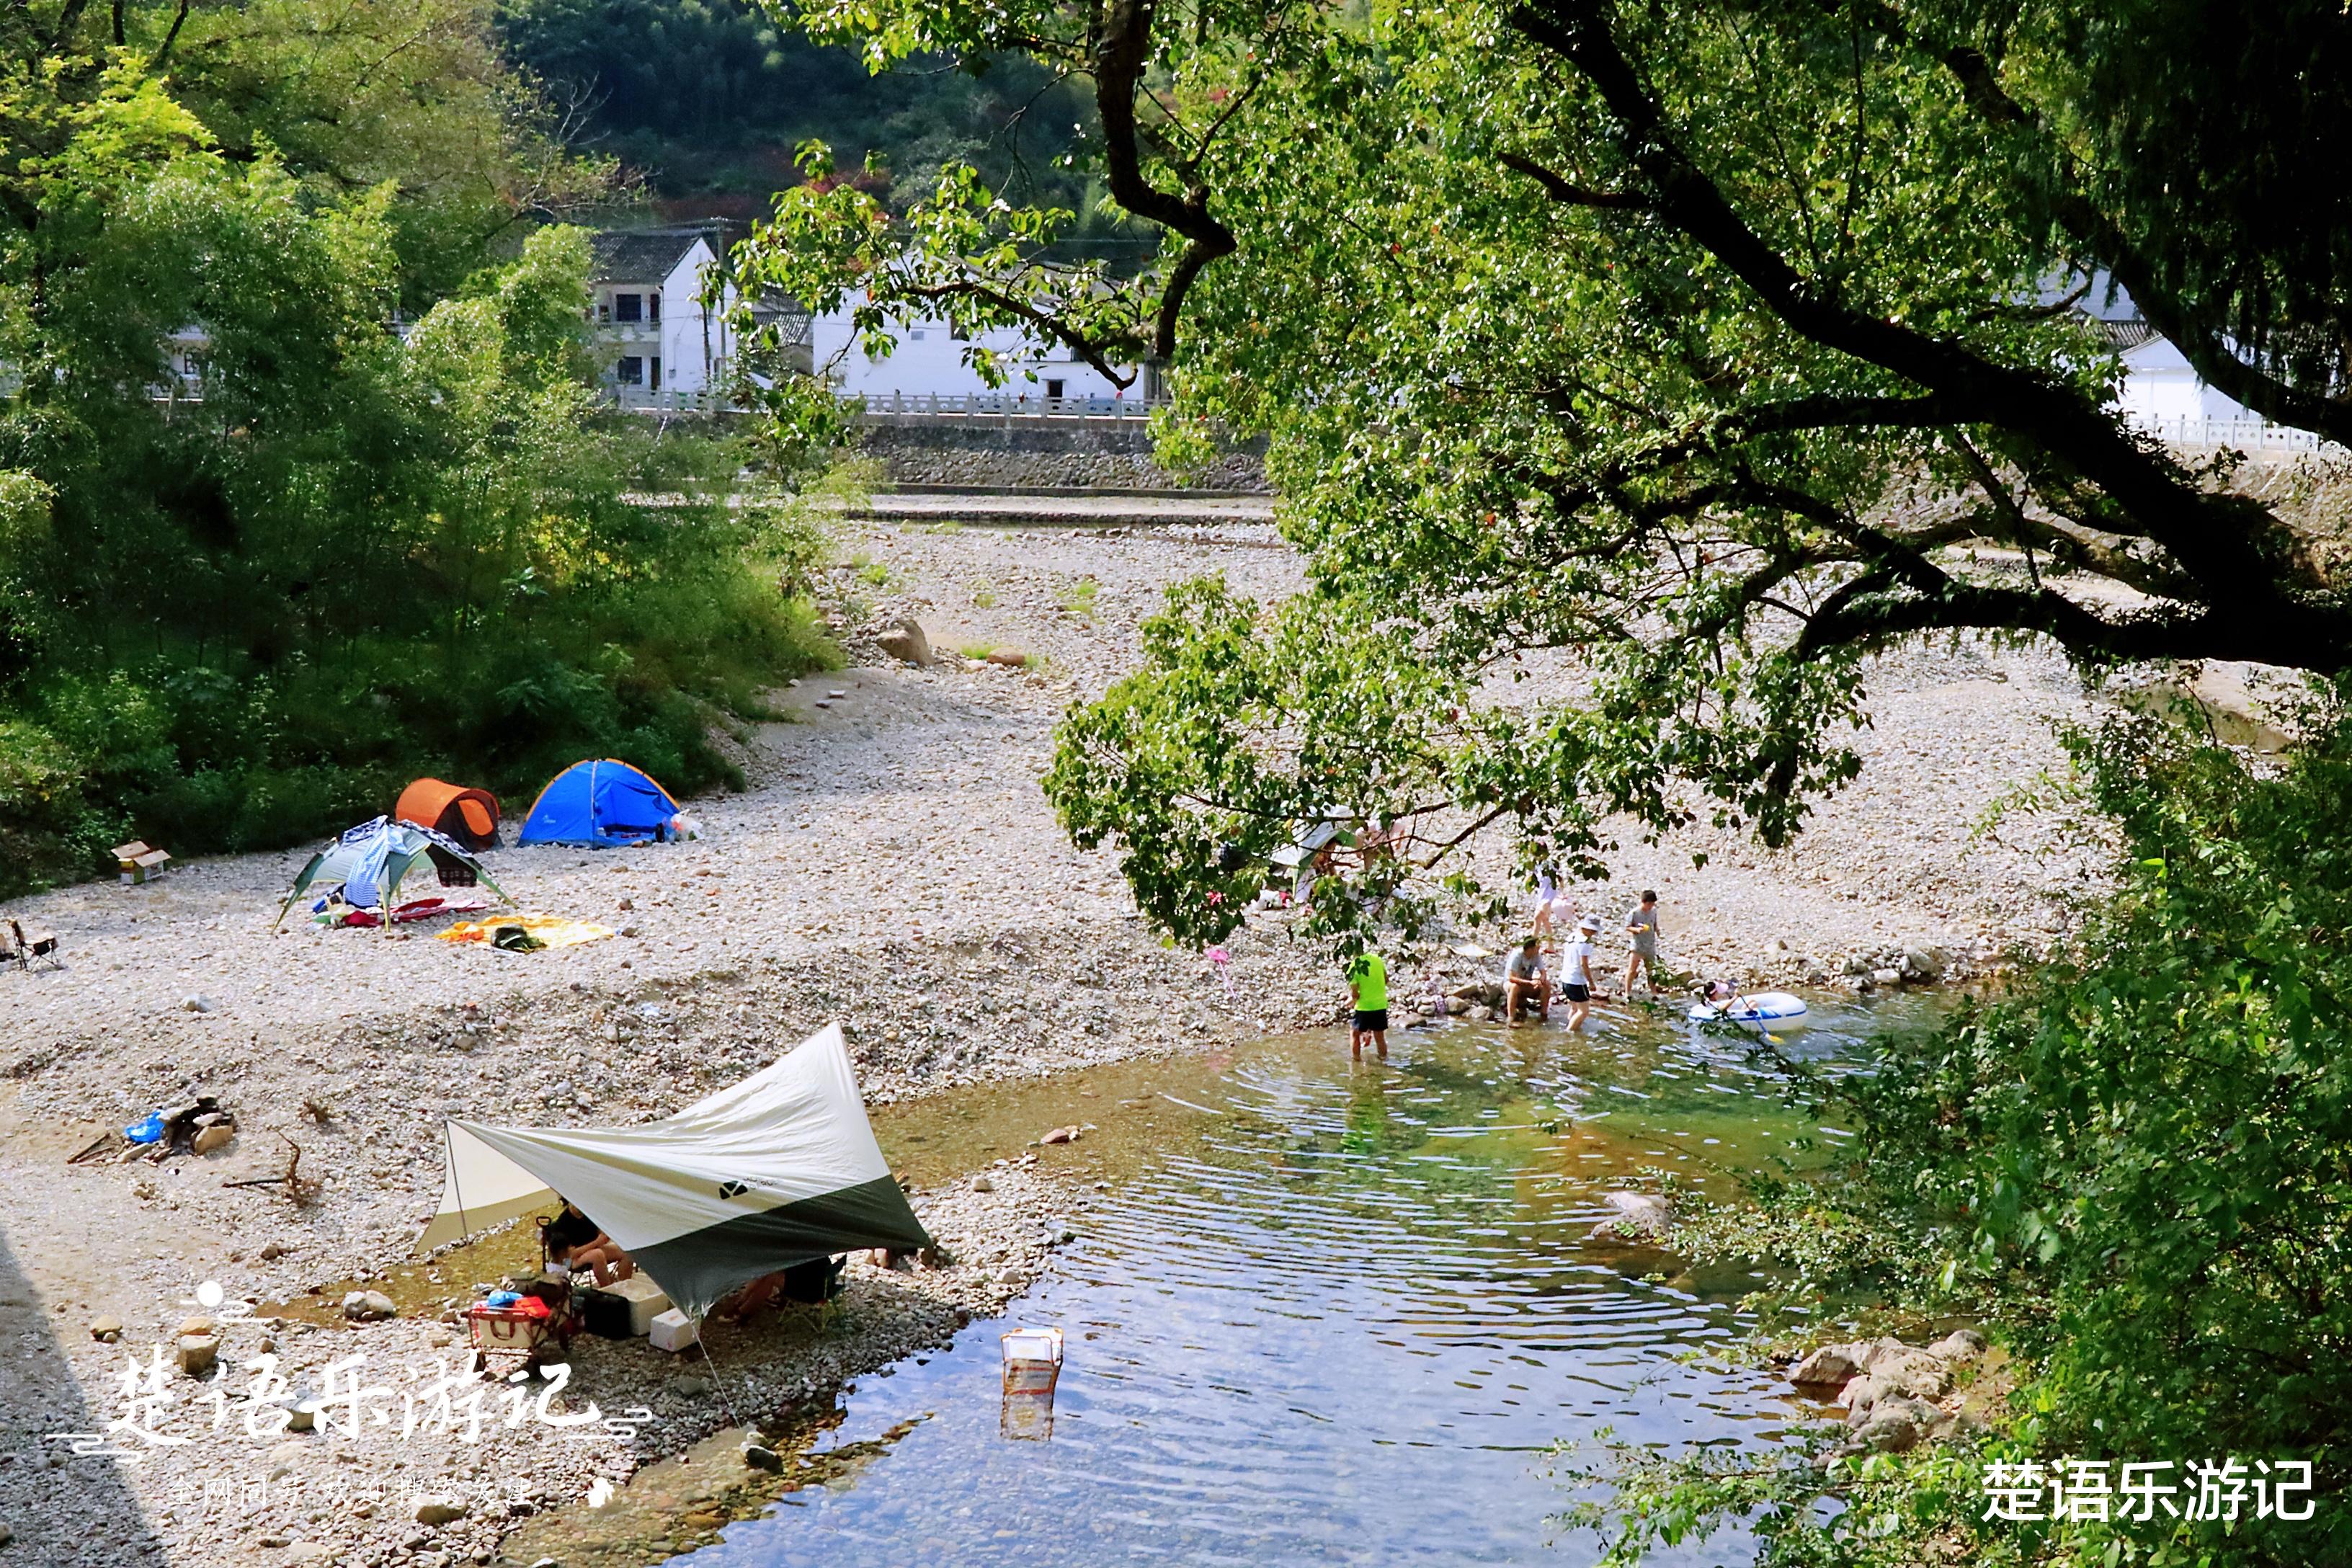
[929, 362]
[655, 338]
[2159, 390]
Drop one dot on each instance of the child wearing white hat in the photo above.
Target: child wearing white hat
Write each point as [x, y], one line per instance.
[1576, 968]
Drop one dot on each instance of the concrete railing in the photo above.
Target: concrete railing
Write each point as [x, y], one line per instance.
[2244, 435]
[902, 407]
[669, 400]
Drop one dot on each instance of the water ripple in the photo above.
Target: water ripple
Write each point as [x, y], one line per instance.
[1343, 1324]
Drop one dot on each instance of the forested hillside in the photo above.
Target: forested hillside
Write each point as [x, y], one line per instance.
[707, 97]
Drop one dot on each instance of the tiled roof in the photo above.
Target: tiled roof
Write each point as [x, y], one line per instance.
[641, 256]
[2125, 335]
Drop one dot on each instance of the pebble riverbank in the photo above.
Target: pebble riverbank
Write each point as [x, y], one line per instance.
[893, 866]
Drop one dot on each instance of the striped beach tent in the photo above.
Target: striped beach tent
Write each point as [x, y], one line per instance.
[780, 1169]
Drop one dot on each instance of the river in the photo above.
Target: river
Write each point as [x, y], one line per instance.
[1327, 1313]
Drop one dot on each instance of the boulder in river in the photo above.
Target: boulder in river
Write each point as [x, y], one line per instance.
[1897, 1425]
[1641, 1217]
[1831, 1366]
[1894, 1368]
[1959, 1345]
[1867, 1370]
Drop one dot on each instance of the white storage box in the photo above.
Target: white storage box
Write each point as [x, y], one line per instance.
[646, 1301]
[1033, 1360]
[672, 1331]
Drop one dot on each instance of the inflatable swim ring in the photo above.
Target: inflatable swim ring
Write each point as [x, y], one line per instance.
[1775, 1007]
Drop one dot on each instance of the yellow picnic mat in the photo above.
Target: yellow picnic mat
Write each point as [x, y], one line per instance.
[546, 930]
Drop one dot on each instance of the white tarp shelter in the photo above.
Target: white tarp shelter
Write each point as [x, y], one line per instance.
[777, 1170]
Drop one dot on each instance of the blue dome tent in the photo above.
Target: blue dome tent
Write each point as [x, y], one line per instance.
[599, 804]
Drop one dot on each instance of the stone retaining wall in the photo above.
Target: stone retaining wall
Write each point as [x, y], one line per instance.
[1034, 452]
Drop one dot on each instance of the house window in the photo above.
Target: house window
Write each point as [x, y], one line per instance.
[657, 372]
[1054, 389]
[653, 307]
[603, 313]
[628, 306]
[630, 372]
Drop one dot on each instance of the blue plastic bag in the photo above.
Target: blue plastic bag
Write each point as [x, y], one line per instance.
[503, 1297]
[150, 1131]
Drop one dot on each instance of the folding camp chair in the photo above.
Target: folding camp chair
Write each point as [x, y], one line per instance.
[28, 946]
[818, 1284]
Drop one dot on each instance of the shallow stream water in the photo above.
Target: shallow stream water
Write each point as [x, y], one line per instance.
[1324, 1313]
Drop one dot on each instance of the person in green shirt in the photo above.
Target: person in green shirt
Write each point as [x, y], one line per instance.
[1368, 985]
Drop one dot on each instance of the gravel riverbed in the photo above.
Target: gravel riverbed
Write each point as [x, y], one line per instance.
[893, 864]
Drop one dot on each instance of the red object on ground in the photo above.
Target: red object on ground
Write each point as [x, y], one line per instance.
[417, 909]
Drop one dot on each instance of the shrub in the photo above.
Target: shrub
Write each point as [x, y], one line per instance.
[2138, 1161]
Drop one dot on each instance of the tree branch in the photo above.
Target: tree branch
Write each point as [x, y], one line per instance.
[1565, 192]
[1862, 622]
[2214, 540]
[170, 39]
[68, 18]
[1044, 321]
[1123, 50]
[2200, 341]
[1839, 411]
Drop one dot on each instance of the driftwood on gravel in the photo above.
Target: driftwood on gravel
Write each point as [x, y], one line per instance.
[301, 1189]
[95, 1146]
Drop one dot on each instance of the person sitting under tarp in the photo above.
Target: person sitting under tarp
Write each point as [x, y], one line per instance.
[761, 1175]
[576, 1242]
[811, 1284]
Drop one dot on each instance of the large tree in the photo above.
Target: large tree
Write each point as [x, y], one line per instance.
[1714, 346]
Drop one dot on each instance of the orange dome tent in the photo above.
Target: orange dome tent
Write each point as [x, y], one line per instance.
[469, 816]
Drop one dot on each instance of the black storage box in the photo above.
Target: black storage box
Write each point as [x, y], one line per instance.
[602, 1312]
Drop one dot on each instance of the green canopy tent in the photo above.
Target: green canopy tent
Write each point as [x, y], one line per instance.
[369, 862]
[778, 1170]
